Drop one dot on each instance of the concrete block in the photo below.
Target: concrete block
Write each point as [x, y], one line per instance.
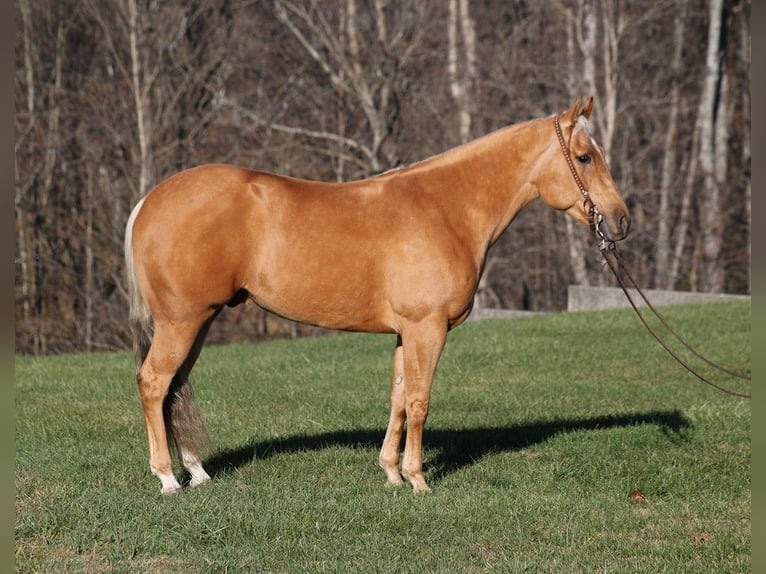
[585, 298]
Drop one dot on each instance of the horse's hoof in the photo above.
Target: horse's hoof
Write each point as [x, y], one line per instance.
[421, 489]
[394, 483]
[393, 478]
[418, 483]
[196, 481]
[170, 489]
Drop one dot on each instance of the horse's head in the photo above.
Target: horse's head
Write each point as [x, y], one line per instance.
[575, 178]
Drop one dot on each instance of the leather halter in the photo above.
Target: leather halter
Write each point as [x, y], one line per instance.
[594, 216]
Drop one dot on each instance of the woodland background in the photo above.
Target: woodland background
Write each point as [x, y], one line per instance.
[112, 96]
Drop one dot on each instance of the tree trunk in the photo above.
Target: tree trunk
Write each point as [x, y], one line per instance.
[684, 215]
[581, 41]
[89, 260]
[140, 91]
[462, 78]
[26, 280]
[612, 28]
[746, 59]
[664, 215]
[712, 106]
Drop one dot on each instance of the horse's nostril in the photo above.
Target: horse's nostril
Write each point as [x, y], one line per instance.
[624, 225]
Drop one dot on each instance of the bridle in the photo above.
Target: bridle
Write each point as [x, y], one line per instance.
[594, 216]
[609, 251]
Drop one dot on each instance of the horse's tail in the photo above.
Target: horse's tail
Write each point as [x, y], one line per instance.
[141, 323]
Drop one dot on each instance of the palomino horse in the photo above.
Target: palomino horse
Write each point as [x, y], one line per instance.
[400, 253]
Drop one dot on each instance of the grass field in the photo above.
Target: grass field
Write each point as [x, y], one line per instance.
[539, 430]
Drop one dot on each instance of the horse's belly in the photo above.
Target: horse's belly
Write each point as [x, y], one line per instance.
[326, 299]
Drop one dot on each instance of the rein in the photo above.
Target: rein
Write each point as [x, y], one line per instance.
[608, 250]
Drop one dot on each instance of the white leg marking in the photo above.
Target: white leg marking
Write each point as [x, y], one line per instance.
[194, 466]
[169, 482]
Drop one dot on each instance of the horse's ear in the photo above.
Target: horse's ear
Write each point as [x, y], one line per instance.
[587, 108]
[571, 114]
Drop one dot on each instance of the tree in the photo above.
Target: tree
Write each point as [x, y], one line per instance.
[462, 74]
[713, 123]
[668, 174]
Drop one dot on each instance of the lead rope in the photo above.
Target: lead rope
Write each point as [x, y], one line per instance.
[606, 247]
[605, 252]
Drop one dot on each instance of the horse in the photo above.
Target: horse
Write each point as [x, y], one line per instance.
[400, 252]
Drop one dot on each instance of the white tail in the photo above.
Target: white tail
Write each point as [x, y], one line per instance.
[140, 316]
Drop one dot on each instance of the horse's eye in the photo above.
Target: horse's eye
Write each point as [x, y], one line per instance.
[584, 158]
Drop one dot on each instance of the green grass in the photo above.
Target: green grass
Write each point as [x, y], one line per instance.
[539, 429]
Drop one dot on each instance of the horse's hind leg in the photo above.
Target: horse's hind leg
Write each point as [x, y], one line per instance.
[170, 348]
[183, 418]
[185, 427]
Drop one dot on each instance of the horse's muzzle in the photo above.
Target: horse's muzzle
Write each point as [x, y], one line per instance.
[615, 228]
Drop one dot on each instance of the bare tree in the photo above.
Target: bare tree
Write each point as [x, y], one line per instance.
[713, 120]
[141, 84]
[22, 187]
[668, 173]
[581, 36]
[462, 71]
[745, 58]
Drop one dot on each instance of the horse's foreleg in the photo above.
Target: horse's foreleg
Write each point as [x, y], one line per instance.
[423, 344]
[169, 350]
[389, 453]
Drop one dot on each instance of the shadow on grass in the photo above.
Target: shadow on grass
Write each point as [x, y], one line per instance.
[455, 448]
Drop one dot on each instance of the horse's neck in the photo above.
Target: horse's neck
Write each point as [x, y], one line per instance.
[482, 185]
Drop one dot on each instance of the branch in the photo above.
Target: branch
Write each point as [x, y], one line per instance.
[293, 130]
[282, 15]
